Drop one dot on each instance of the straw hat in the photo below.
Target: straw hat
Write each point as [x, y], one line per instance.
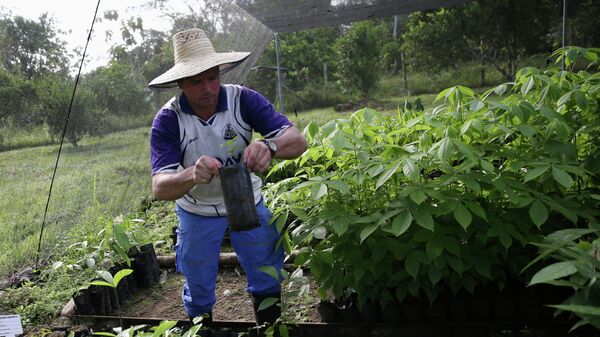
[194, 53]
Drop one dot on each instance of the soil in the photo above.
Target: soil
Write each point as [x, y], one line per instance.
[163, 301]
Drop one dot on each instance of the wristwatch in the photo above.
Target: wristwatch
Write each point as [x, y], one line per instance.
[271, 145]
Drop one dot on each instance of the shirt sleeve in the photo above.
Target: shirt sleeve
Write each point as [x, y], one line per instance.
[164, 142]
[259, 113]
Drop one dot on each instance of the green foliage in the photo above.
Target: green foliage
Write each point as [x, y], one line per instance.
[416, 204]
[358, 53]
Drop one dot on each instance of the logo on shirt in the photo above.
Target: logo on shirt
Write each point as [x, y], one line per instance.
[229, 132]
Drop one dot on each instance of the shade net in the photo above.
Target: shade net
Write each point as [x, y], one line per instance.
[101, 168]
[297, 15]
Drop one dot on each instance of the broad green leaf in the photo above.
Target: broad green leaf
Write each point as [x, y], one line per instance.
[120, 274]
[267, 302]
[464, 149]
[538, 213]
[535, 172]
[578, 308]
[418, 196]
[318, 190]
[435, 275]
[487, 166]
[410, 169]
[412, 265]
[526, 130]
[528, 85]
[102, 283]
[163, 328]
[105, 275]
[553, 272]
[401, 223]
[423, 218]
[476, 209]
[562, 177]
[368, 231]
[338, 140]
[433, 249]
[338, 185]
[387, 175]
[462, 215]
[271, 271]
[445, 149]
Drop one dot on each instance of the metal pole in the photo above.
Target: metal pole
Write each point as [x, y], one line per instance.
[564, 29]
[279, 80]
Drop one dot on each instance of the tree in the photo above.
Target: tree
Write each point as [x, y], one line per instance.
[31, 48]
[358, 53]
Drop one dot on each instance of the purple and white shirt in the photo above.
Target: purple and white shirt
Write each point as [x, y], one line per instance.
[179, 137]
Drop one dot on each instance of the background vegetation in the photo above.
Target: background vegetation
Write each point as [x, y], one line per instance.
[104, 170]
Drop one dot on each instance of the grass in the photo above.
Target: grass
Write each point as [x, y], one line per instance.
[101, 176]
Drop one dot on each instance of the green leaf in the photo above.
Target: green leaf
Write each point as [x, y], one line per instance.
[579, 308]
[418, 196]
[102, 283]
[445, 149]
[435, 275]
[526, 130]
[423, 218]
[433, 249]
[267, 302]
[105, 275]
[535, 172]
[462, 215]
[271, 271]
[553, 272]
[318, 190]
[538, 213]
[163, 328]
[412, 265]
[562, 177]
[387, 175]
[368, 231]
[476, 209]
[410, 169]
[401, 223]
[120, 274]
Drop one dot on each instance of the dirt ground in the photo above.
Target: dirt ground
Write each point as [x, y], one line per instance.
[163, 301]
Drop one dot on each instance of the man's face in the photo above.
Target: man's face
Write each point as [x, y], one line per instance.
[202, 90]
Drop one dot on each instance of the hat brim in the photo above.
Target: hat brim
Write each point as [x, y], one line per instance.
[225, 61]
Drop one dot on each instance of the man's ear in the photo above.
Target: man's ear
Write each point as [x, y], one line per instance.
[179, 83]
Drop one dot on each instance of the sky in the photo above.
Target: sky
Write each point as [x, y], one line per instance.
[75, 18]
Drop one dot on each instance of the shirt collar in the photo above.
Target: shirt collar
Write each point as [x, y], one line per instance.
[221, 105]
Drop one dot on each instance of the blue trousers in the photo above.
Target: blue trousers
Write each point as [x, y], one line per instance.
[197, 252]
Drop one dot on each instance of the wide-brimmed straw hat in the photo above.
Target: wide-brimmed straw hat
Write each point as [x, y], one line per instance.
[194, 53]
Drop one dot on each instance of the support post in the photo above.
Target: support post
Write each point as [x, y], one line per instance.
[279, 78]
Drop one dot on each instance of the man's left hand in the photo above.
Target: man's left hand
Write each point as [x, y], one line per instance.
[257, 157]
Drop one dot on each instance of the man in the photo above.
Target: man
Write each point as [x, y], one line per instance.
[203, 128]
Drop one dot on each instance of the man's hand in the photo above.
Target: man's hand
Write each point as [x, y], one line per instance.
[205, 169]
[257, 157]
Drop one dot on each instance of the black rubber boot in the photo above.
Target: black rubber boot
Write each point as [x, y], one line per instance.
[266, 315]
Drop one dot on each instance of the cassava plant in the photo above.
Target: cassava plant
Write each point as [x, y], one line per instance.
[446, 200]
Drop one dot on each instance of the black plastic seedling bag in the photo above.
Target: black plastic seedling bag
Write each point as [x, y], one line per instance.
[239, 197]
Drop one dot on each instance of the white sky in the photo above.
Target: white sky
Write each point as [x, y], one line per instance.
[75, 16]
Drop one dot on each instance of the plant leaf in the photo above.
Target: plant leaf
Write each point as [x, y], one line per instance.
[536, 172]
[401, 223]
[267, 302]
[120, 274]
[368, 231]
[462, 215]
[553, 272]
[538, 213]
[387, 175]
[578, 308]
[562, 177]
[424, 218]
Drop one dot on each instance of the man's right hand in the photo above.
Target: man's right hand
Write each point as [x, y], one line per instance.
[205, 169]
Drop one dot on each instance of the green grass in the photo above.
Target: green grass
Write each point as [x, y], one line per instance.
[101, 176]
